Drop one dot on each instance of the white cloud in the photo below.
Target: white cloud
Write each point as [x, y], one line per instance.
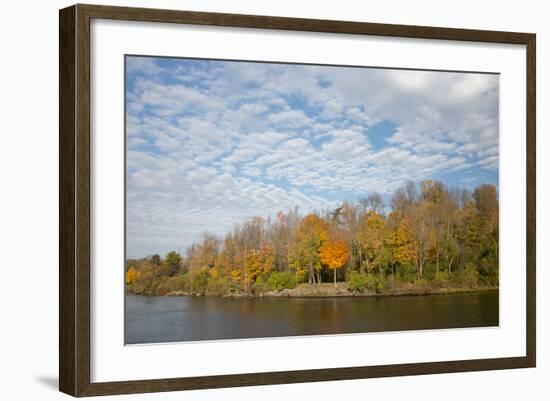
[289, 119]
[410, 80]
[142, 65]
[346, 144]
[219, 142]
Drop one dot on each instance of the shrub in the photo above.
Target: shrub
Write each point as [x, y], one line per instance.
[199, 281]
[381, 284]
[178, 283]
[218, 286]
[468, 276]
[162, 290]
[158, 286]
[421, 285]
[442, 280]
[488, 277]
[362, 283]
[140, 285]
[278, 281]
[163, 270]
[407, 273]
[488, 273]
[357, 282]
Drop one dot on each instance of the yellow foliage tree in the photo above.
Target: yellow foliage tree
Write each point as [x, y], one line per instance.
[236, 276]
[259, 262]
[372, 232]
[309, 238]
[334, 254]
[404, 246]
[131, 275]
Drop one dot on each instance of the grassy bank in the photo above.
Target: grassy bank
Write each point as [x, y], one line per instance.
[342, 290]
[282, 284]
[329, 290]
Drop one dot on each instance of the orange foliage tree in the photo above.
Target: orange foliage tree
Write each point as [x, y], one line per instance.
[334, 254]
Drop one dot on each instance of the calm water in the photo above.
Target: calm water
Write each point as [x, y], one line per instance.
[164, 319]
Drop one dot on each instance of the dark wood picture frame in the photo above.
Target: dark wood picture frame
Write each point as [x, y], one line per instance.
[74, 199]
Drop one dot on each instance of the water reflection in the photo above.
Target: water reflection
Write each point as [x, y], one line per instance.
[165, 319]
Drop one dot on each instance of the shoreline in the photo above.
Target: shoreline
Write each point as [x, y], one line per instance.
[446, 291]
[310, 291]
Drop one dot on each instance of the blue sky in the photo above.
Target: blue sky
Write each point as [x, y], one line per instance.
[211, 143]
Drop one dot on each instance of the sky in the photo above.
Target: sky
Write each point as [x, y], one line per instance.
[213, 143]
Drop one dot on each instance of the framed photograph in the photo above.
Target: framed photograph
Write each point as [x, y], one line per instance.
[250, 200]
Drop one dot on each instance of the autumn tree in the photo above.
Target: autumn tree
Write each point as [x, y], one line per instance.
[372, 231]
[228, 257]
[309, 237]
[250, 236]
[423, 235]
[486, 199]
[347, 231]
[131, 275]
[469, 232]
[374, 202]
[259, 262]
[447, 245]
[425, 226]
[334, 254]
[282, 237]
[439, 215]
[404, 196]
[432, 191]
[401, 239]
[204, 254]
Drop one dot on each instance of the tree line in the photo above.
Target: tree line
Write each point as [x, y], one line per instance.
[423, 234]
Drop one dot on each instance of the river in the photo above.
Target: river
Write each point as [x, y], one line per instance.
[165, 319]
